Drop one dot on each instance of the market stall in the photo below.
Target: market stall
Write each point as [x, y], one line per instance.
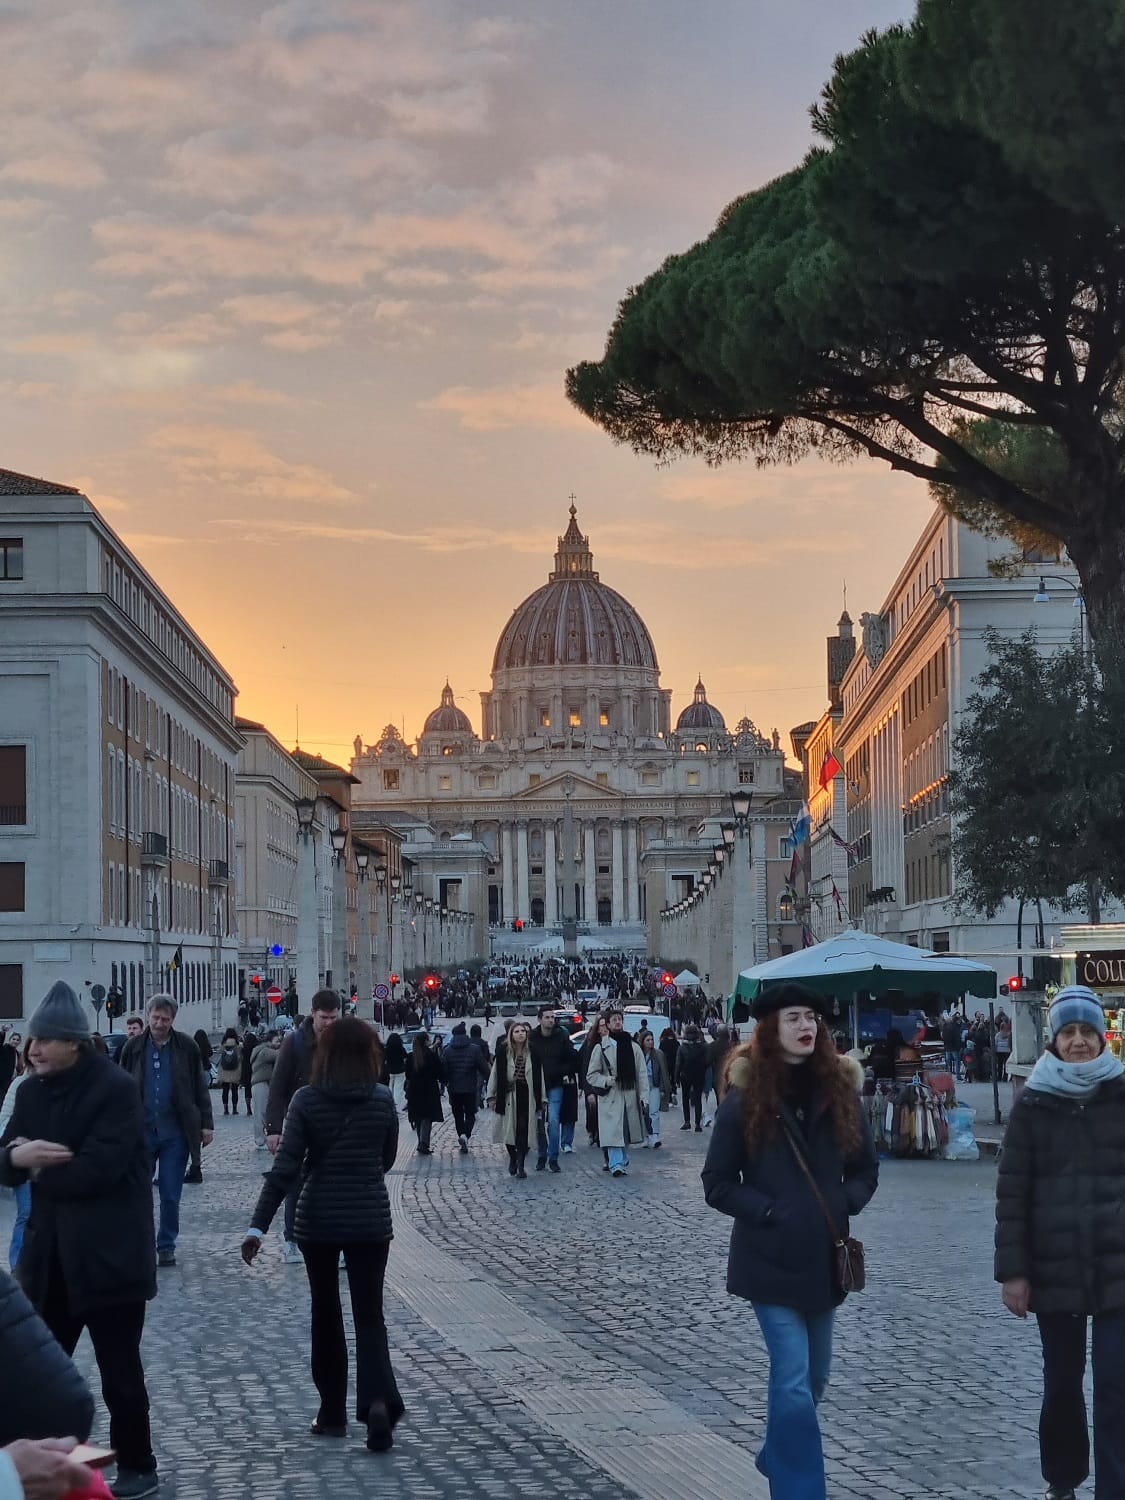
[906, 1101]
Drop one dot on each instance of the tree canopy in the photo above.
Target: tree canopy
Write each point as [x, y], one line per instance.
[940, 285]
[1035, 795]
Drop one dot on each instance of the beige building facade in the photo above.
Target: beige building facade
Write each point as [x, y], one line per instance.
[118, 751]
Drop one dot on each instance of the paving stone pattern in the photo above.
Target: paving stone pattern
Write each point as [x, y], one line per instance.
[570, 1336]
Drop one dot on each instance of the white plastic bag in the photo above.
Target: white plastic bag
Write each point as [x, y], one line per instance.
[962, 1145]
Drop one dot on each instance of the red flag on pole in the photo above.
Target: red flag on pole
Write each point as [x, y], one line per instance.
[829, 768]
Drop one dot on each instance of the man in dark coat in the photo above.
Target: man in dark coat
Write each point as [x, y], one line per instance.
[292, 1071]
[555, 1054]
[177, 1109]
[465, 1071]
[88, 1258]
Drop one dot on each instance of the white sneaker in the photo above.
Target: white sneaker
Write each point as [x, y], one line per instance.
[707, 1120]
[568, 1150]
[289, 1253]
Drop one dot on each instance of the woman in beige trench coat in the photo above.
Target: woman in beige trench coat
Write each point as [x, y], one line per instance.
[618, 1077]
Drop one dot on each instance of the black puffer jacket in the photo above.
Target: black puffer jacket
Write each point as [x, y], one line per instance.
[691, 1063]
[465, 1067]
[92, 1215]
[780, 1246]
[42, 1394]
[1060, 1201]
[338, 1143]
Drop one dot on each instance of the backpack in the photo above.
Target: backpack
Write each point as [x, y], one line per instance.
[228, 1059]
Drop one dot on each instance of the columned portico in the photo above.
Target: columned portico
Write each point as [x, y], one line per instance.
[550, 876]
[632, 873]
[617, 867]
[523, 897]
[507, 861]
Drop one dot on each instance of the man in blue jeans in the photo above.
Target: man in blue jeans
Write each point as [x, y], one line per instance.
[559, 1061]
[177, 1105]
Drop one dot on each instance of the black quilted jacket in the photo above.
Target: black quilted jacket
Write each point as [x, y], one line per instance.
[337, 1143]
[42, 1395]
[1060, 1201]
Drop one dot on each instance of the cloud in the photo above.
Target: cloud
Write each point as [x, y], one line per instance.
[297, 342]
[27, 390]
[208, 457]
[451, 111]
[502, 407]
[274, 309]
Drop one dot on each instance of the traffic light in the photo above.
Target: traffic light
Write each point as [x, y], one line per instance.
[665, 979]
[256, 981]
[1016, 983]
[394, 980]
[430, 983]
[114, 1002]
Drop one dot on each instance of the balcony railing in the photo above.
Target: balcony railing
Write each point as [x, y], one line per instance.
[218, 872]
[13, 814]
[154, 849]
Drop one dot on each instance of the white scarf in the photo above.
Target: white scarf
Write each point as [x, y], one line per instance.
[1074, 1080]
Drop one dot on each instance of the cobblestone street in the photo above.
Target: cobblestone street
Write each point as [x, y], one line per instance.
[571, 1336]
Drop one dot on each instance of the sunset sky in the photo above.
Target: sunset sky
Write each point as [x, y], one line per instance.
[290, 291]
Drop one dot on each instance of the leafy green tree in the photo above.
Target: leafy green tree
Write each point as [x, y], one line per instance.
[939, 285]
[1036, 798]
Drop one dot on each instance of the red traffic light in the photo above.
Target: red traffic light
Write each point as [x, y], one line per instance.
[256, 980]
[665, 979]
[1017, 982]
[430, 982]
[394, 978]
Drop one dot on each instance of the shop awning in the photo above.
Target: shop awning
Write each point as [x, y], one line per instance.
[855, 962]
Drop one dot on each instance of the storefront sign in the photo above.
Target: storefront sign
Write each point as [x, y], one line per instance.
[1101, 970]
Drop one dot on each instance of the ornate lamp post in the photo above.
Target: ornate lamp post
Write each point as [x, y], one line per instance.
[363, 957]
[308, 924]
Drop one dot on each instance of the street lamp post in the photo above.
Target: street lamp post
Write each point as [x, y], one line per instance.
[339, 841]
[740, 862]
[363, 955]
[308, 926]
[418, 918]
[392, 904]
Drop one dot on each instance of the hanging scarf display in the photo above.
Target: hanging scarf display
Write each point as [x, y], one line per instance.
[907, 1119]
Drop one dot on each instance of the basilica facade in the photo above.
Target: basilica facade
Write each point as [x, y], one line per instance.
[576, 734]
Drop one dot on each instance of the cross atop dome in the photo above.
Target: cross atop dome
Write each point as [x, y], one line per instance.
[573, 559]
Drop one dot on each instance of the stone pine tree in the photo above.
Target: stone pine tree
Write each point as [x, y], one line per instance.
[939, 285]
[1035, 796]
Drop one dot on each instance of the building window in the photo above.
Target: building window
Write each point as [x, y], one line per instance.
[785, 848]
[11, 557]
[746, 775]
[574, 718]
[544, 718]
[537, 869]
[445, 783]
[603, 869]
[693, 778]
[11, 992]
[13, 785]
[390, 781]
[486, 781]
[11, 886]
[940, 942]
[650, 778]
[534, 779]
[447, 749]
[603, 718]
[603, 778]
[701, 748]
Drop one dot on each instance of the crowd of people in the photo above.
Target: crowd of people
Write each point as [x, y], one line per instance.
[790, 1160]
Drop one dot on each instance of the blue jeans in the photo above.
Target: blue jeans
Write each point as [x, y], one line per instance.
[618, 1157]
[953, 1061]
[800, 1351]
[548, 1140]
[169, 1158]
[23, 1208]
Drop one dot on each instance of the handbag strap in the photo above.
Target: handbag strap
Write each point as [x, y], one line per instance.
[802, 1162]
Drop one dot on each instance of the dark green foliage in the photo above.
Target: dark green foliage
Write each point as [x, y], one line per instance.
[940, 284]
[1036, 794]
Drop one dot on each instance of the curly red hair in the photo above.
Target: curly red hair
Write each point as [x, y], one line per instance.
[761, 1080]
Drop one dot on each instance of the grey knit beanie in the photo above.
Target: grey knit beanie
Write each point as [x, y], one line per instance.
[59, 1016]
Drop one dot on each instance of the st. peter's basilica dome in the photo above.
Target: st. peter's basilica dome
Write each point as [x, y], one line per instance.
[700, 715]
[574, 619]
[447, 718]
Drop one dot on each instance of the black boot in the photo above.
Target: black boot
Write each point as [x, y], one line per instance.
[512, 1164]
[521, 1157]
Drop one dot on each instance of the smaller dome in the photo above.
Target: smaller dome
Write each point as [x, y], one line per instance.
[699, 714]
[447, 718]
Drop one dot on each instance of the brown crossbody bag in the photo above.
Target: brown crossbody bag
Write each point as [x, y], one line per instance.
[848, 1263]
